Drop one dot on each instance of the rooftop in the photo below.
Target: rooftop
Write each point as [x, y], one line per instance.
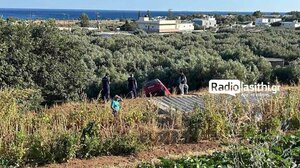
[275, 59]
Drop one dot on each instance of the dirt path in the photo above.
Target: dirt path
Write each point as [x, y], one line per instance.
[171, 151]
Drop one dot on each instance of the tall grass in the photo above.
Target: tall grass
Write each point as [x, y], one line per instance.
[71, 130]
[86, 129]
[228, 117]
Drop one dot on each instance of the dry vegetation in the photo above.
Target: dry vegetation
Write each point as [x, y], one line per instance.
[85, 129]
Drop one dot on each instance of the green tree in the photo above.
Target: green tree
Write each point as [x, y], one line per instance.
[257, 14]
[170, 14]
[84, 20]
[276, 24]
[245, 18]
[129, 26]
[295, 68]
[40, 56]
[148, 13]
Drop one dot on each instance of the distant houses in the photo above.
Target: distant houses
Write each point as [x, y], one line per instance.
[266, 21]
[272, 19]
[185, 26]
[262, 22]
[206, 22]
[244, 25]
[290, 25]
[195, 23]
[276, 62]
[164, 26]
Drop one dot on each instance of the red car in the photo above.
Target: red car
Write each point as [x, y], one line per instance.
[156, 88]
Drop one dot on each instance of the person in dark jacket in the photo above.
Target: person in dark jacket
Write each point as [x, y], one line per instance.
[105, 87]
[183, 86]
[132, 86]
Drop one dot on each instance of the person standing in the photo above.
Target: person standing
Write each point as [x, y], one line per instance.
[132, 86]
[183, 86]
[105, 87]
[115, 105]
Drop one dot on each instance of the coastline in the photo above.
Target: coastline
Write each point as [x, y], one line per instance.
[71, 14]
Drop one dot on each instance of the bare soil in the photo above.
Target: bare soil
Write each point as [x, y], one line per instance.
[152, 155]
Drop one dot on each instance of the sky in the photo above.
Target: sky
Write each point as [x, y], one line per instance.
[161, 5]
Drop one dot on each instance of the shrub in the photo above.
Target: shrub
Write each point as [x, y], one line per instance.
[281, 152]
[13, 153]
[26, 99]
[90, 142]
[248, 130]
[293, 123]
[38, 151]
[271, 125]
[64, 147]
[194, 124]
[129, 26]
[128, 144]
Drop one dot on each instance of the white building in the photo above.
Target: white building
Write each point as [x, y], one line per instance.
[185, 26]
[290, 25]
[164, 26]
[244, 25]
[206, 22]
[261, 21]
[266, 21]
[273, 20]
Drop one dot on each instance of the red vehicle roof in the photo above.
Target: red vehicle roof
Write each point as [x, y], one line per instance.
[156, 87]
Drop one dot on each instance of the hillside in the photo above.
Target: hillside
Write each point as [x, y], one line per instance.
[68, 66]
[50, 80]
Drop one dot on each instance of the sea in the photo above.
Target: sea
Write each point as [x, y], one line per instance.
[67, 14]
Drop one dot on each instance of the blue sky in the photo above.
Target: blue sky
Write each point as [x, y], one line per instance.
[189, 5]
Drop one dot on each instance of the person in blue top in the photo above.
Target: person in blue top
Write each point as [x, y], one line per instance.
[115, 105]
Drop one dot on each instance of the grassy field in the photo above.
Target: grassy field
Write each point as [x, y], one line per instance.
[87, 129]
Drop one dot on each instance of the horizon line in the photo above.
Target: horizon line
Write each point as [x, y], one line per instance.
[137, 10]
